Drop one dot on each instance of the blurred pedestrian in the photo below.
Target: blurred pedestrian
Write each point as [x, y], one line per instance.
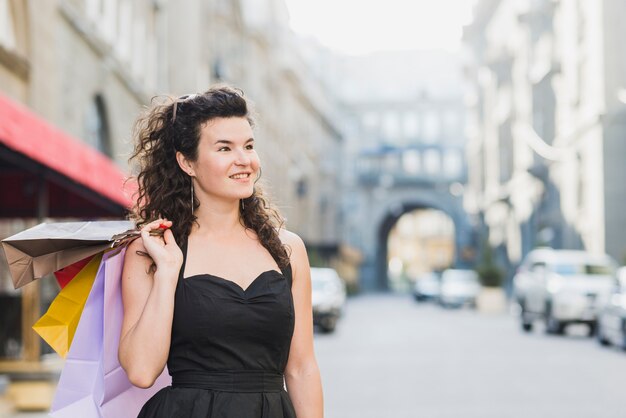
[223, 296]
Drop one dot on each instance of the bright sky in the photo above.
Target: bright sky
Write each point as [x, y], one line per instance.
[362, 26]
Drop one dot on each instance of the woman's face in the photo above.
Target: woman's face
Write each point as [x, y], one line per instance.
[227, 163]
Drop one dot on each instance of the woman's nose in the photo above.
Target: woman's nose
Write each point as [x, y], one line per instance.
[242, 158]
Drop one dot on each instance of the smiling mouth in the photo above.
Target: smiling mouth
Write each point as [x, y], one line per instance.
[240, 176]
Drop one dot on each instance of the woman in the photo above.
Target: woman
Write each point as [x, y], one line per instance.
[223, 297]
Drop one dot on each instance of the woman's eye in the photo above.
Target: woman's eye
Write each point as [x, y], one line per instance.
[250, 146]
[224, 149]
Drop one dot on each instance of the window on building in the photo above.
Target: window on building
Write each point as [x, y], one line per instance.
[453, 164]
[452, 125]
[411, 126]
[391, 162]
[302, 188]
[124, 38]
[370, 121]
[108, 25]
[505, 145]
[411, 161]
[432, 161]
[102, 16]
[152, 52]
[217, 70]
[580, 183]
[138, 47]
[431, 126]
[7, 30]
[96, 126]
[391, 127]
[93, 9]
[544, 109]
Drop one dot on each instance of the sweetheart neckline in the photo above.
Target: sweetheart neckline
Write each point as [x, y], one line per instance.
[231, 281]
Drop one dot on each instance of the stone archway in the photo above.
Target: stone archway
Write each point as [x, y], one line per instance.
[384, 217]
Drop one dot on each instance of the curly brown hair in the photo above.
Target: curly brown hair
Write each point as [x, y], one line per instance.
[164, 190]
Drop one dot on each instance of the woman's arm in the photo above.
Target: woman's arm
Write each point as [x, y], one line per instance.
[302, 374]
[148, 300]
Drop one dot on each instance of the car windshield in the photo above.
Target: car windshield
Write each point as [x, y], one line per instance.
[460, 277]
[570, 269]
[320, 283]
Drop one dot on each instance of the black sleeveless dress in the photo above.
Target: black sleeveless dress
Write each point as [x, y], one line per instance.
[229, 349]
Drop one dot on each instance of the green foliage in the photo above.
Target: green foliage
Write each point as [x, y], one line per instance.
[490, 274]
[316, 259]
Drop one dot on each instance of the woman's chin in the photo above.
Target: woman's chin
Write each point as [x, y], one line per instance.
[244, 195]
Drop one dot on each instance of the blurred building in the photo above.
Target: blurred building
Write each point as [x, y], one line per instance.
[83, 69]
[546, 124]
[404, 144]
[73, 75]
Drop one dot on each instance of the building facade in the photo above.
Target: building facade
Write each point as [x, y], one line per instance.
[545, 125]
[403, 149]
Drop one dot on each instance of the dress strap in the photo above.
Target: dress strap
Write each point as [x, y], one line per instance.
[182, 267]
[288, 274]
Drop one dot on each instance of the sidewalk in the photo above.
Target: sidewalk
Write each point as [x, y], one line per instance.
[27, 388]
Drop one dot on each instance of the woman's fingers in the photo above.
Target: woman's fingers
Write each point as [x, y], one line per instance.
[156, 225]
[168, 237]
[151, 239]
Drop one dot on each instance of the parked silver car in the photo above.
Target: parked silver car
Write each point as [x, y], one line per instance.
[459, 287]
[563, 287]
[612, 321]
[328, 297]
[612, 318]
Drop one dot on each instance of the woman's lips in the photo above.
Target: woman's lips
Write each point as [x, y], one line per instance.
[241, 178]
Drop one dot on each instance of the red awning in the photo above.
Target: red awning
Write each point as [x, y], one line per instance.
[75, 174]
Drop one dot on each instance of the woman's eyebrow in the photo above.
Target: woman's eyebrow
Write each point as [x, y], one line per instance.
[227, 142]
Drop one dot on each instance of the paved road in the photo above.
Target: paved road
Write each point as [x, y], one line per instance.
[391, 357]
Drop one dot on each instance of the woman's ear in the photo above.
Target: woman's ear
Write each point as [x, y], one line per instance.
[184, 163]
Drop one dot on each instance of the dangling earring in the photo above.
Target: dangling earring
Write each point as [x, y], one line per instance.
[243, 205]
[191, 178]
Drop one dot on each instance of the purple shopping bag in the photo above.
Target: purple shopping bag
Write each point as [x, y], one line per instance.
[92, 383]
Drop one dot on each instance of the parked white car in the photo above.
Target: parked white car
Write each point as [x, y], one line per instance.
[563, 287]
[459, 287]
[427, 287]
[328, 297]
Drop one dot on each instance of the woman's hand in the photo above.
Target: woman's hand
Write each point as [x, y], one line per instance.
[163, 250]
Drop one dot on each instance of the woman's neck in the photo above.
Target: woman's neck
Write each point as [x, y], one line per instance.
[218, 219]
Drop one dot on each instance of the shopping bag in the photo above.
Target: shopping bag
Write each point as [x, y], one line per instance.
[58, 325]
[66, 274]
[92, 383]
[48, 247]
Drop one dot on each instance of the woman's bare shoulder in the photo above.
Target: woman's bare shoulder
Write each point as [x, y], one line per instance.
[295, 244]
[290, 238]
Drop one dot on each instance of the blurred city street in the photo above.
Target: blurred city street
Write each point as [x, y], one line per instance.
[469, 152]
[392, 357]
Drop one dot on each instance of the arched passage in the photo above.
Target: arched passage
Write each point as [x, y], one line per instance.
[382, 218]
[420, 241]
